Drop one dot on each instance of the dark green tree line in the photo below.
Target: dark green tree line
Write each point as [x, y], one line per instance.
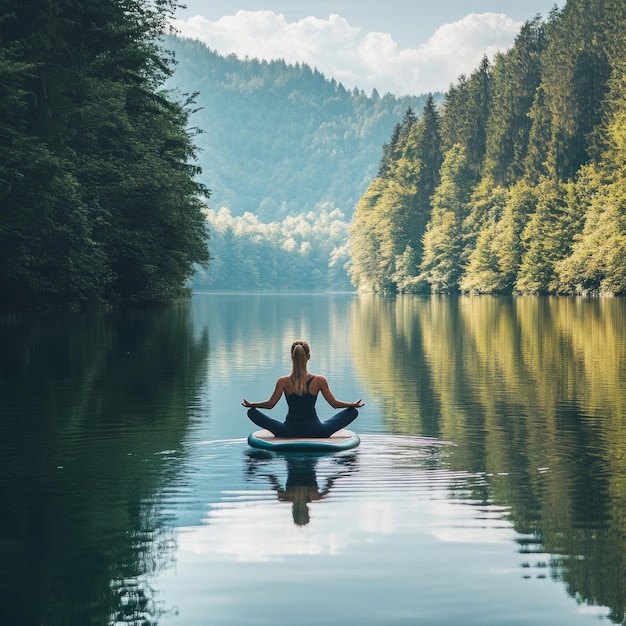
[530, 197]
[98, 197]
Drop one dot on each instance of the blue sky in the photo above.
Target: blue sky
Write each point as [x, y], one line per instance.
[391, 45]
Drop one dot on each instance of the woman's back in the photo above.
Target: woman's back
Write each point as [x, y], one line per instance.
[302, 407]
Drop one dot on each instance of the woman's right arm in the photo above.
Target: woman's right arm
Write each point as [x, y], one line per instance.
[330, 398]
[271, 402]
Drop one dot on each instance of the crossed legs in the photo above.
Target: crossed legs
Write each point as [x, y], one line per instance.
[308, 429]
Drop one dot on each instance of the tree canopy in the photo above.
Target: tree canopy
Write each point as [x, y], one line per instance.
[99, 201]
[529, 168]
[286, 153]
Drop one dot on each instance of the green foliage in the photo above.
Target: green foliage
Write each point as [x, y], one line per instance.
[542, 242]
[516, 76]
[366, 234]
[598, 259]
[531, 195]
[521, 201]
[443, 240]
[483, 272]
[300, 253]
[99, 200]
[575, 71]
[482, 240]
[466, 112]
[390, 219]
[282, 139]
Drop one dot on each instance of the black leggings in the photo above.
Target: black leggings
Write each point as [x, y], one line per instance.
[310, 428]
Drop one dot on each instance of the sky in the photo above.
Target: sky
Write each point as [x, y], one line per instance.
[397, 46]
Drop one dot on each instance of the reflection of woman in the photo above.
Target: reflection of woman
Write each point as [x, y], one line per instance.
[301, 486]
[300, 390]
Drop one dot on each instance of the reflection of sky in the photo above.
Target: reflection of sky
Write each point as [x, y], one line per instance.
[263, 530]
[397, 540]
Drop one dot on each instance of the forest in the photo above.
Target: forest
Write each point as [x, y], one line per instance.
[279, 139]
[123, 148]
[517, 184]
[99, 197]
[286, 153]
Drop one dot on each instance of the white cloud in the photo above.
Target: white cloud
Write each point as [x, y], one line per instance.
[365, 60]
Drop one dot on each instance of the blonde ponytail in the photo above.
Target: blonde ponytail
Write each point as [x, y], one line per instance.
[300, 353]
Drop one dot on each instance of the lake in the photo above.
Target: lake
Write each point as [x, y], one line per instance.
[489, 486]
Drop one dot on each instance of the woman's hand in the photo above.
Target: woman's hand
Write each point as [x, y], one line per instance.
[247, 403]
[358, 404]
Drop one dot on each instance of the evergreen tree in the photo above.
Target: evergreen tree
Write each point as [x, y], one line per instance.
[520, 204]
[480, 229]
[598, 259]
[482, 274]
[516, 76]
[542, 242]
[536, 161]
[390, 153]
[465, 116]
[99, 197]
[423, 151]
[443, 242]
[390, 220]
[365, 239]
[454, 121]
[575, 73]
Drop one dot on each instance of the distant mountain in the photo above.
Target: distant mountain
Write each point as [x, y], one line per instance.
[286, 154]
[281, 139]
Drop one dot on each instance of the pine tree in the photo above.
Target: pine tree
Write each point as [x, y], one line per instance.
[98, 190]
[542, 241]
[480, 229]
[520, 204]
[390, 220]
[536, 164]
[465, 116]
[390, 153]
[423, 149]
[516, 76]
[365, 239]
[575, 73]
[598, 259]
[443, 242]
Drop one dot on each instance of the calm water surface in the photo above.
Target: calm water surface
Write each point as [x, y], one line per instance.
[489, 487]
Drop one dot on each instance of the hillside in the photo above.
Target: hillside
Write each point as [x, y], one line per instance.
[279, 139]
[516, 185]
[286, 154]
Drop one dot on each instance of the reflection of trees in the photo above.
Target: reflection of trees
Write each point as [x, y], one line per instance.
[88, 399]
[301, 485]
[388, 345]
[532, 391]
[239, 329]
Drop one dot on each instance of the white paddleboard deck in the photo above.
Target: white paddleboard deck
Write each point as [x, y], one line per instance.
[343, 439]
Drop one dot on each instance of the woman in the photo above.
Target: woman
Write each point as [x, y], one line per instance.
[301, 389]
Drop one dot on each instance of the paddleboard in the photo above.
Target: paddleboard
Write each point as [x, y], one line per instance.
[343, 439]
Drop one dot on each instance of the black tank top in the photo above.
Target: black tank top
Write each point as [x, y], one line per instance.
[301, 408]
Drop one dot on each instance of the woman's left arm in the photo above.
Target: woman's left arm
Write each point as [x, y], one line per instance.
[330, 398]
